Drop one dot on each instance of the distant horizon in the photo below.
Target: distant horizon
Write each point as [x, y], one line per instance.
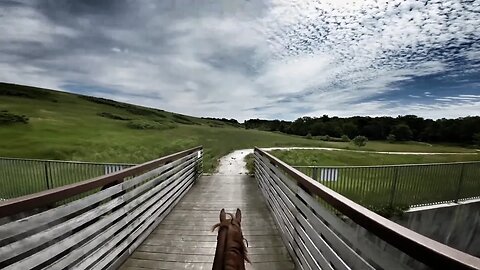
[242, 120]
[252, 59]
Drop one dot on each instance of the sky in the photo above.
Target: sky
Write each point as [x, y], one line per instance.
[270, 59]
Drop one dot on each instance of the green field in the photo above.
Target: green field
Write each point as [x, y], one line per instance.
[346, 158]
[65, 126]
[387, 189]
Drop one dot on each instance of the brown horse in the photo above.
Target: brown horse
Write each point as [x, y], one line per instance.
[231, 252]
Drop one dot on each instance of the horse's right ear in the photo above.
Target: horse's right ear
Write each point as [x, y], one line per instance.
[223, 215]
[238, 215]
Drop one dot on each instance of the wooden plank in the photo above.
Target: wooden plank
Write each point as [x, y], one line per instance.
[209, 250]
[314, 259]
[338, 227]
[312, 254]
[283, 223]
[415, 245]
[47, 197]
[319, 228]
[193, 225]
[95, 243]
[122, 257]
[111, 249]
[169, 257]
[66, 243]
[22, 226]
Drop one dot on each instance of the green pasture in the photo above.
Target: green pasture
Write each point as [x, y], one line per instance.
[390, 187]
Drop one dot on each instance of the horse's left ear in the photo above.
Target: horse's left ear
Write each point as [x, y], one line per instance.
[238, 215]
[223, 215]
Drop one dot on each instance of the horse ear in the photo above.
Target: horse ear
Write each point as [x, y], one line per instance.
[238, 215]
[223, 215]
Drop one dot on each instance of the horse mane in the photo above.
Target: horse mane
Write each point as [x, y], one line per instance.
[225, 224]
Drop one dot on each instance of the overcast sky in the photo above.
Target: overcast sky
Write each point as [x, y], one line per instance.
[249, 59]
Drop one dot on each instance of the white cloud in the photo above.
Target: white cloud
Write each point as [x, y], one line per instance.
[291, 58]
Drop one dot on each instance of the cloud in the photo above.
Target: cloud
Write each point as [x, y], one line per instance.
[270, 59]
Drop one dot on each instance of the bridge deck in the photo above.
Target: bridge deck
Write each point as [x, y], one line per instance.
[184, 239]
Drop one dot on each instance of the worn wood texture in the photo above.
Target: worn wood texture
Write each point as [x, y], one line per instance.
[184, 240]
[99, 230]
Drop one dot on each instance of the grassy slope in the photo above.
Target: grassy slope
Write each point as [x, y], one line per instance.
[65, 126]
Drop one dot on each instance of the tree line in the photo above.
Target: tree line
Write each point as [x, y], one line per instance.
[465, 130]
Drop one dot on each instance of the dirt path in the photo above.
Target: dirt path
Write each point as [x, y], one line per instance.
[234, 164]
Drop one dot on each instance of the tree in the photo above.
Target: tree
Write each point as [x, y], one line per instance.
[476, 138]
[391, 138]
[360, 141]
[350, 129]
[402, 132]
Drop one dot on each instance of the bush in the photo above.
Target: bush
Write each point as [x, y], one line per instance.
[387, 211]
[476, 138]
[183, 120]
[308, 136]
[112, 116]
[142, 124]
[7, 118]
[391, 138]
[345, 138]
[360, 141]
[250, 160]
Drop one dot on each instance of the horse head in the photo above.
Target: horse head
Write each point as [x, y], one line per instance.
[231, 252]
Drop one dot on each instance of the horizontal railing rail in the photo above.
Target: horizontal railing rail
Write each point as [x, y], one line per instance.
[47, 197]
[323, 229]
[20, 177]
[101, 230]
[403, 185]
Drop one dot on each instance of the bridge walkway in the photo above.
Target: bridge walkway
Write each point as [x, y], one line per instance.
[184, 240]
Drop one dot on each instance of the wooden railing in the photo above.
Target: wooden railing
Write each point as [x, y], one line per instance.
[101, 230]
[324, 230]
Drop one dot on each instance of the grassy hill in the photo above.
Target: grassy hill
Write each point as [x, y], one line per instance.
[47, 124]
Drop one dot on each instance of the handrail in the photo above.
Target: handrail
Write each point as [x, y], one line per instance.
[386, 165]
[421, 248]
[47, 197]
[67, 161]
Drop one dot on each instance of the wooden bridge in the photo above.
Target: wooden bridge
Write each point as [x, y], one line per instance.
[158, 215]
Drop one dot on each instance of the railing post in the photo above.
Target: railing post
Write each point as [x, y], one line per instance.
[315, 173]
[394, 187]
[460, 181]
[46, 175]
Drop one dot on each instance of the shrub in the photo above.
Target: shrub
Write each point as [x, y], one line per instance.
[345, 138]
[142, 124]
[476, 138]
[387, 211]
[391, 138]
[112, 116]
[7, 118]
[183, 119]
[250, 163]
[308, 136]
[360, 141]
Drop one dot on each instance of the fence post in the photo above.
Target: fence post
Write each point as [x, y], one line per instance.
[394, 186]
[46, 175]
[315, 174]
[460, 181]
